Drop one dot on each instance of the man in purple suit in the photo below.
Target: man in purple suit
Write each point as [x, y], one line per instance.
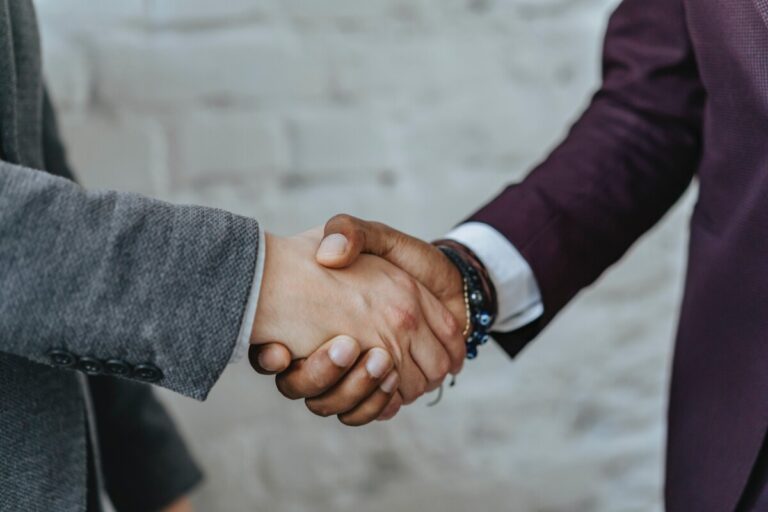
[684, 94]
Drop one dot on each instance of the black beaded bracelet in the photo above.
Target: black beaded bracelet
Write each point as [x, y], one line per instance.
[478, 305]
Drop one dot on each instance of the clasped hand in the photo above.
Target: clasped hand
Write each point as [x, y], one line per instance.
[401, 303]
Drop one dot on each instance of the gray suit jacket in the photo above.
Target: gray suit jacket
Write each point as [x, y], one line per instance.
[100, 283]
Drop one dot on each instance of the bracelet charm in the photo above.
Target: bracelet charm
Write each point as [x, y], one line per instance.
[480, 315]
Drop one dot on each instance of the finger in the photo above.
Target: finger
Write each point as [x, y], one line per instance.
[372, 407]
[413, 383]
[356, 386]
[431, 357]
[321, 370]
[269, 358]
[346, 237]
[445, 327]
[392, 408]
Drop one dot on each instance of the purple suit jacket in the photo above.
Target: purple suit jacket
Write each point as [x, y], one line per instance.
[684, 94]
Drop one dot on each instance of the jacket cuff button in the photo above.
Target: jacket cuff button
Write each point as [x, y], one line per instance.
[117, 367]
[89, 365]
[147, 373]
[61, 358]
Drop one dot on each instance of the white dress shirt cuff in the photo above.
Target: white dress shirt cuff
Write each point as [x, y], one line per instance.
[518, 296]
[244, 338]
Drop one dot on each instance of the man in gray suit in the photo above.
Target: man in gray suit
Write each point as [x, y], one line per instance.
[102, 293]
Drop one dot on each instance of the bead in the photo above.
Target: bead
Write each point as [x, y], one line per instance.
[484, 319]
[476, 298]
[484, 339]
[471, 352]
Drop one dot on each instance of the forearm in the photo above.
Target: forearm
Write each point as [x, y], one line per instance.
[580, 211]
[120, 276]
[623, 164]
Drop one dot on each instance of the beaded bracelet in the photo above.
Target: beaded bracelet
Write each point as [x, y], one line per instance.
[479, 306]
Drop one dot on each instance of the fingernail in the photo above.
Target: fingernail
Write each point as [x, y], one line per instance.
[332, 246]
[378, 363]
[342, 352]
[388, 385]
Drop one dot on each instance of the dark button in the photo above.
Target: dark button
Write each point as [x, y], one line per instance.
[117, 367]
[89, 365]
[147, 372]
[61, 358]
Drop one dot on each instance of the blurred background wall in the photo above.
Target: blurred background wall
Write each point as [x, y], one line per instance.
[412, 112]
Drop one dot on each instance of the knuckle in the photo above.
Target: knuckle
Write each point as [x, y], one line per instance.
[319, 408]
[421, 388]
[394, 351]
[404, 317]
[341, 218]
[314, 381]
[305, 382]
[285, 389]
[409, 285]
[353, 420]
[417, 390]
[361, 303]
[347, 224]
[392, 408]
[452, 327]
[379, 226]
[443, 366]
[390, 412]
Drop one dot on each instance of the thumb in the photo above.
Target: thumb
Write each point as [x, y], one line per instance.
[345, 237]
[269, 358]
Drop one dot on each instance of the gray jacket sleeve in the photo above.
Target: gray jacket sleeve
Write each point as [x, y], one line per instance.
[144, 461]
[114, 278]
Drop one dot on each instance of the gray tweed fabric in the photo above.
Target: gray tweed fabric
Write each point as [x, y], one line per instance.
[97, 275]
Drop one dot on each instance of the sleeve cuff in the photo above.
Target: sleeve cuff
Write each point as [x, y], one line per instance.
[519, 299]
[244, 337]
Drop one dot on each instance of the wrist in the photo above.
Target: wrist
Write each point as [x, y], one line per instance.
[479, 294]
[452, 296]
[469, 257]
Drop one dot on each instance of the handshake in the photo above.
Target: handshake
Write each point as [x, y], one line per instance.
[359, 319]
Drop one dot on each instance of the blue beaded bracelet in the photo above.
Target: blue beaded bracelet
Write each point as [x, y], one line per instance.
[478, 305]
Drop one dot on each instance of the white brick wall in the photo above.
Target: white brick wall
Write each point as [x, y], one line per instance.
[411, 112]
[216, 143]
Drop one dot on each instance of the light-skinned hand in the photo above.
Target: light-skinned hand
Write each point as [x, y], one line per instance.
[302, 304]
[344, 239]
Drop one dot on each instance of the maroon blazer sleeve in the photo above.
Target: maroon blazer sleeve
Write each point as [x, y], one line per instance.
[624, 163]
